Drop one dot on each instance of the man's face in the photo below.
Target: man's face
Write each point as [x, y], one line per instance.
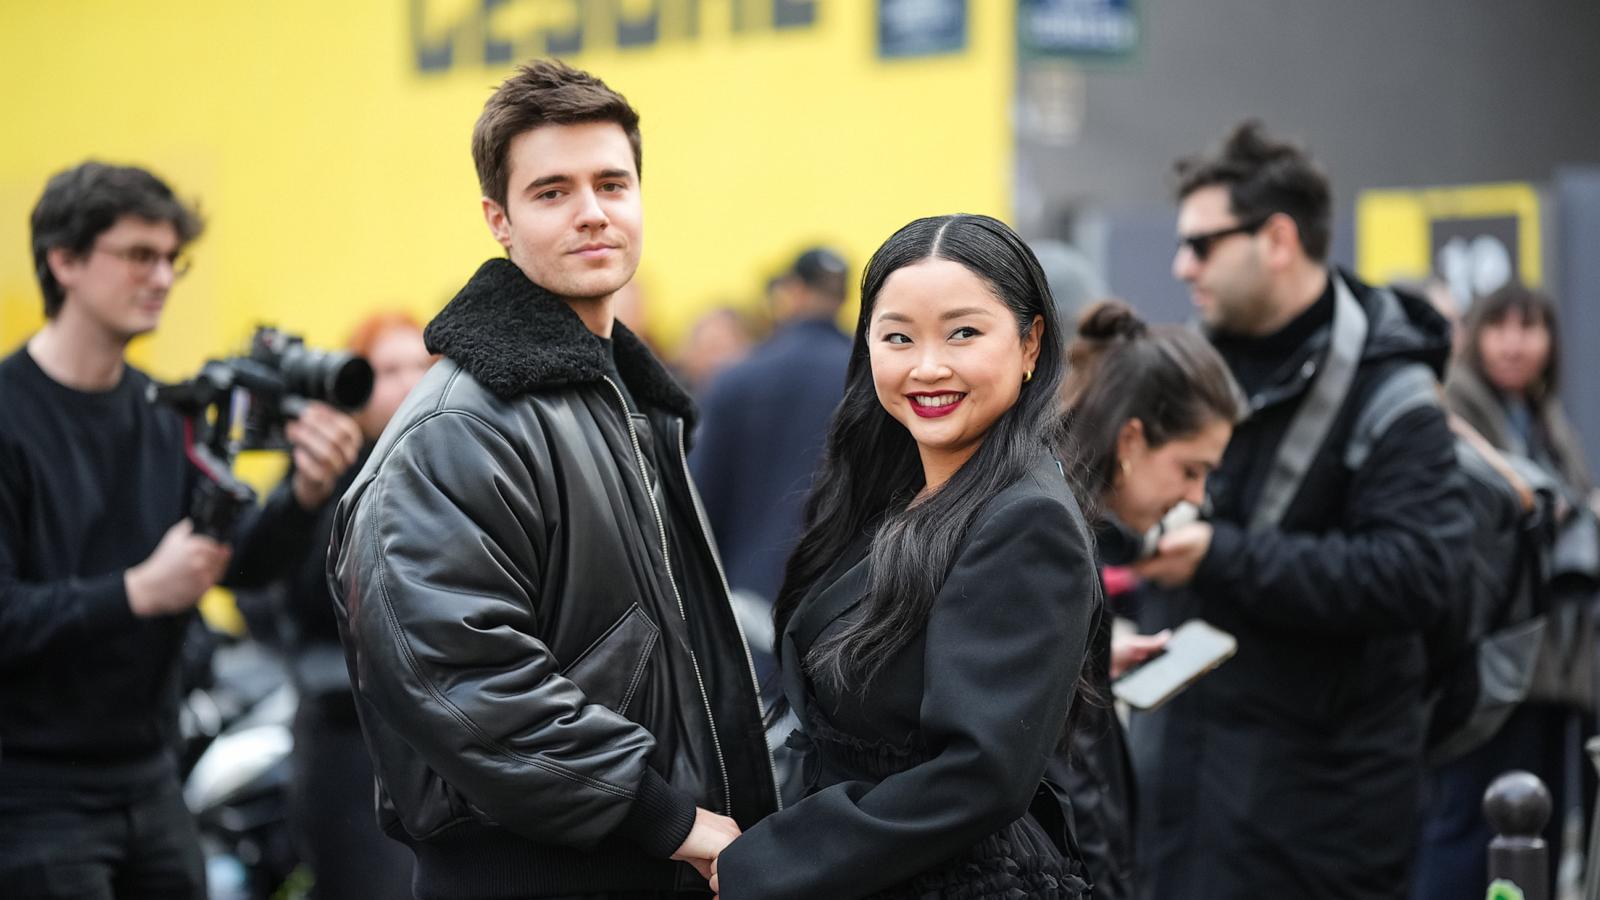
[120, 285]
[1229, 287]
[572, 219]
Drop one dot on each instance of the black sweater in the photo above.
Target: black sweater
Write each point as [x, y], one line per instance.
[89, 483]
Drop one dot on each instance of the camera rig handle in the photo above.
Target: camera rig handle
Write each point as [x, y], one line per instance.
[206, 404]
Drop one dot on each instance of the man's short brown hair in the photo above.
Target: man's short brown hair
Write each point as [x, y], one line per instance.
[1265, 176]
[544, 92]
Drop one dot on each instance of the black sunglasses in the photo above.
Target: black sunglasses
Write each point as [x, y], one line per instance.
[1200, 244]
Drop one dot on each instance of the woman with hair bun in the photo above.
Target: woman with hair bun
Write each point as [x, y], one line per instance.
[1150, 409]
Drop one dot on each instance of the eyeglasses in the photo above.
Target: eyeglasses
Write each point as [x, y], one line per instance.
[1200, 244]
[143, 259]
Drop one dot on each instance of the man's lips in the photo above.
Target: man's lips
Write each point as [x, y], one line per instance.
[593, 251]
[933, 405]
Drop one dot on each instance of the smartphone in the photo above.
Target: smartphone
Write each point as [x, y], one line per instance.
[1196, 647]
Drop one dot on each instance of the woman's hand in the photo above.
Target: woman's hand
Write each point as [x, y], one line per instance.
[1129, 650]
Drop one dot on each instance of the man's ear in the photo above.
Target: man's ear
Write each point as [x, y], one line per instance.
[1283, 236]
[499, 222]
[64, 265]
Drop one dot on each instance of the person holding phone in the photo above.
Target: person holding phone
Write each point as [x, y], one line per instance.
[944, 557]
[1150, 410]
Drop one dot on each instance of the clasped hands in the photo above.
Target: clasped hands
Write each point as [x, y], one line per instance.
[708, 837]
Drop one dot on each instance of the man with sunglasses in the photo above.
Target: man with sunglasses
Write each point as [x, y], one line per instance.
[100, 570]
[1295, 769]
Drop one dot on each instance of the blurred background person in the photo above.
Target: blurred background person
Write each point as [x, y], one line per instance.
[1329, 573]
[1149, 410]
[1074, 281]
[331, 793]
[716, 341]
[1504, 385]
[101, 567]
[761, 434]
[1506, 379]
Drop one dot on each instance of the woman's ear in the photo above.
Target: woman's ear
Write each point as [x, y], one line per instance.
[1031, 342]
[1131, 442]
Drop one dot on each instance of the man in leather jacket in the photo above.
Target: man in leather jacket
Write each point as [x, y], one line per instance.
[551, 681]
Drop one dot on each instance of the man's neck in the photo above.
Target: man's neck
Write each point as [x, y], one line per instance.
[1301, 288]
[595, 312]
[77, 354]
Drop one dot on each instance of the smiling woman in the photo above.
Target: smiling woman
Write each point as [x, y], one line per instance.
[944, 558]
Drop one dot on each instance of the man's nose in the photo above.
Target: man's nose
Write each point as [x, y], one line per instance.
[590, 214]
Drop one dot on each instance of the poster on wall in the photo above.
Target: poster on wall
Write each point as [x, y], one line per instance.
[1077, 28]
[911, 28]
[1476, 238]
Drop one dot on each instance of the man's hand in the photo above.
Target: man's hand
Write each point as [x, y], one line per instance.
[1129, 650]
[326, 442]
[1177, 555]
[183, 567]
[706, 839]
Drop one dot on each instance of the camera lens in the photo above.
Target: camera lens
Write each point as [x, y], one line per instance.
[341, 379]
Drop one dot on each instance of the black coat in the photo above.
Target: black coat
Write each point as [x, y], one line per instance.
[1295, 769]
[548, 671]
[922, 784]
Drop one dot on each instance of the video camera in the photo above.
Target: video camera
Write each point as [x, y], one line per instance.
[263, 392]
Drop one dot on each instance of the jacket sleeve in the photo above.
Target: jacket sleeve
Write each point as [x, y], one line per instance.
[1005, 644]
[438, 562]
[44, 617]
[1392, 565]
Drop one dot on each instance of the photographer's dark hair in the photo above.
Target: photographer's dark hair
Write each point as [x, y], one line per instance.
[1265, 176]
[546, 92]
[871, 469]
[1169, 377]
[83, 202]
[1535, 308]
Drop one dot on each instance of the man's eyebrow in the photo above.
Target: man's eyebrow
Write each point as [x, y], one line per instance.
[615, 173]
[546, 181]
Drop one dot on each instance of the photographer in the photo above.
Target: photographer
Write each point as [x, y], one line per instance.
[99, 568]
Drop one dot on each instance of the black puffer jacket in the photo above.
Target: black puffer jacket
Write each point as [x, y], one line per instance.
[1295, 769]
[548, 671]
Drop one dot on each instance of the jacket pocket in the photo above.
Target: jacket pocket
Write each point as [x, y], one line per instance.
[610, 670]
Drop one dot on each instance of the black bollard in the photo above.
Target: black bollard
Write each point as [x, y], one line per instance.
[1517, 805]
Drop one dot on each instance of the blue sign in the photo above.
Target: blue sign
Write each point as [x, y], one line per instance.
[1077, 27]
[909, 28]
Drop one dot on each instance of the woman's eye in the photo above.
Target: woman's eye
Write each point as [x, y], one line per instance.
[895, 337]
[965, 332]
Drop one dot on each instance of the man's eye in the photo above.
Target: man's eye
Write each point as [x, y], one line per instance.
[143, 255]
[612, 187]
[548, 195]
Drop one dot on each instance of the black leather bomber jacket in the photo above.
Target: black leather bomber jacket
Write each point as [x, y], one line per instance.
[544, 704]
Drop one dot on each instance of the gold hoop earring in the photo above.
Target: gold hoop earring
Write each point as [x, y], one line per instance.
[1027, 376]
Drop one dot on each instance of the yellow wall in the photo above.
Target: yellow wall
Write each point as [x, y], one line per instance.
[336, 175]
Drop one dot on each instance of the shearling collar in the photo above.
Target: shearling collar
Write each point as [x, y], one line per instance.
[515, 337]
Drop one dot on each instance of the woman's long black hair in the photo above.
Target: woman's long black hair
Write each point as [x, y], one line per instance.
[871, 469]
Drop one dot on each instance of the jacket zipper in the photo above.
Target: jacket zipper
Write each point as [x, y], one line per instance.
[727, 594]
[666, 558]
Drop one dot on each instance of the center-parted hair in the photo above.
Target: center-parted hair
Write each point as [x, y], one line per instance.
[545, 92]
[1264, 176]
[1168, 377]
[871, 469]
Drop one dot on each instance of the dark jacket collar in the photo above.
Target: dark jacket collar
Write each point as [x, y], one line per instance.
[515, 337]
[1400, 325]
